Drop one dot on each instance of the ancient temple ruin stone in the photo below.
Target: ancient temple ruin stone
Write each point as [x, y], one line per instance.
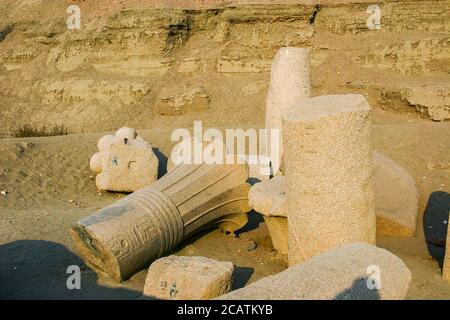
[188, 278]
[328, 160]
[259, 166]
[125, 162]
[290, 82]
[128, 235]
[269, 199]
[395, 193]
[355, 271]
[278, 229]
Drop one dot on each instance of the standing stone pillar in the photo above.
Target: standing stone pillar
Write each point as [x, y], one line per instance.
[290, 82]
[128, 235]
[328, 162]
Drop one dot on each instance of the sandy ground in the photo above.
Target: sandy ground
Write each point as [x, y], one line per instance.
[49, 186]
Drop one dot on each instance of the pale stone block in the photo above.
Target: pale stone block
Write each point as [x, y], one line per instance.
[269, 198]
[328, 160]
[354, 271]
[125, 162]
[188, 278]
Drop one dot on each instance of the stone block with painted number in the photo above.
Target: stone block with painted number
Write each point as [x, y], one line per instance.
[188, 278]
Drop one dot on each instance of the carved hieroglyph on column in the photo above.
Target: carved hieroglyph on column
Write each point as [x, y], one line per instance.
[128, 235]
[290, 82]
[329, 169]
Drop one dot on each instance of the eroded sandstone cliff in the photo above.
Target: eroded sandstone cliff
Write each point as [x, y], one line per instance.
[127, 61]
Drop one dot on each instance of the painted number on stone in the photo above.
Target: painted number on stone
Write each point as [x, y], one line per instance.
[374, 20]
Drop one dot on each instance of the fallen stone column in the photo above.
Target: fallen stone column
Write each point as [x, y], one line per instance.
[290, 82]
[328, 160]
[351, 272]
[128, 235]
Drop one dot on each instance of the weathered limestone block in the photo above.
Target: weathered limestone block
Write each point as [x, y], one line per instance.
[128, 235]
[345, 273]
[328, 159]
[188, 278]
[290, 82]
[446, 267]
[396, 198]
[173, 103]
[125, 162]
[269, 198]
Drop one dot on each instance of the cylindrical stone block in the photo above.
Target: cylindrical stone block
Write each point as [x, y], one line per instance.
[290, 82]
[128, 235]
[355, 271]
[328, 160]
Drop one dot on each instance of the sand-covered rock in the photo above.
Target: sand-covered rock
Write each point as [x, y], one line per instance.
[125, 162]
[188, 278]
[355, 271]
[430, 100]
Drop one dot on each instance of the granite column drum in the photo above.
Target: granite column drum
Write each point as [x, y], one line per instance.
[290, 82]
[328, 160]
[355, 271]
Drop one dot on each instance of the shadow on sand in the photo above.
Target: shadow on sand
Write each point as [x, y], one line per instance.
[36, 269]
[359, 291]
[434, 227]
